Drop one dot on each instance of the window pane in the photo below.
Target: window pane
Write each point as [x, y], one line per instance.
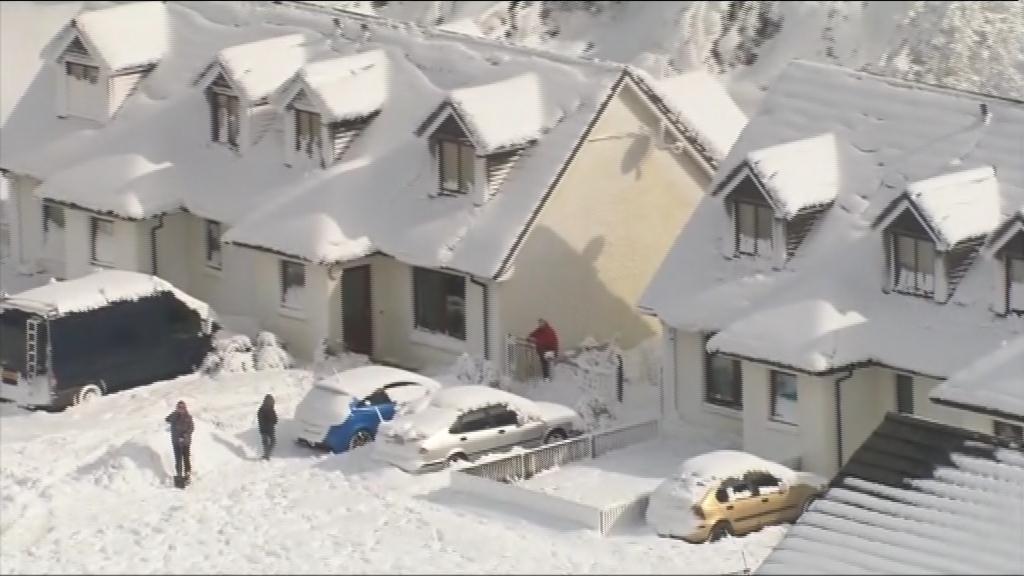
[905, 258]
[723, 379]
[449, 166]
[213, 257]
[439, 302]
[746, 228]
[764, 222]
[1015, 288]
[466, 167]
[102, 241]
[1016, 270]
[784, 397]
[293, 283]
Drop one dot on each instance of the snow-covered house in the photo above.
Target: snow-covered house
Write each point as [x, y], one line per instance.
[406, 193]
[917, 497]
[860, 244]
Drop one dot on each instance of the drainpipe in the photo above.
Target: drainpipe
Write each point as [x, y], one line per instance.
[152, 244]
[839, 417]
[487, 310]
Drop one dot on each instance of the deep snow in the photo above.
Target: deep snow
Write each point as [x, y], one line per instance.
[88, 490]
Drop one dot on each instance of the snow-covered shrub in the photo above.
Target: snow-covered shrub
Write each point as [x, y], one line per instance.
[269, 355]
[473, 370]
[230, 355]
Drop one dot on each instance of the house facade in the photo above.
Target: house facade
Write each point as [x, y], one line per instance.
[354, 185]
[858, 247]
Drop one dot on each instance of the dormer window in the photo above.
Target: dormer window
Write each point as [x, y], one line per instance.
[308, 135]
[1011, 257]
[224, 118]
[82, 72]
[456, 160]
[914, 270]
[753, 228]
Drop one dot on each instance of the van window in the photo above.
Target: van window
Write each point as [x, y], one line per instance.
[12, 339]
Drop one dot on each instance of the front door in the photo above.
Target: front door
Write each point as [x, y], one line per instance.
[357, 310]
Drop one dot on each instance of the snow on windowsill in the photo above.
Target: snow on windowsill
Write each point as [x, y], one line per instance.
[436, 340]
[782, 426]
[293, 313]
[736, 413]
[213, 270]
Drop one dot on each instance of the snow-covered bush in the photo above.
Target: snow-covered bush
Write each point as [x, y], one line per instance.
[269, 355]
[472, 370]
[230, 355]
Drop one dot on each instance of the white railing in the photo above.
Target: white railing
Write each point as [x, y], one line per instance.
[499, 479]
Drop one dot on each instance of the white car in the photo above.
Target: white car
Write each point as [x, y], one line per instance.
[343, 411]
[465, 421]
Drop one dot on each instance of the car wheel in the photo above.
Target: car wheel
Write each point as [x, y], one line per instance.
[88, 393]
[556, 435]
[720, 530]
[360, 438]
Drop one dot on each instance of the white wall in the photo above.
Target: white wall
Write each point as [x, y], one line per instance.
[119, 87]
[130, 241]
[686, 394]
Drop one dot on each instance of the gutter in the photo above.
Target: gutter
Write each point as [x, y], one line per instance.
[839, 418]
[487, 310]
[1009, 417]
[152, 245]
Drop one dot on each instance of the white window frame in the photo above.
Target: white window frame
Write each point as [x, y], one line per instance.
[462, 153]
[774, 377]
[758, 216]
[913, 280]
[213, 249]
[287, 273]
[96, 224]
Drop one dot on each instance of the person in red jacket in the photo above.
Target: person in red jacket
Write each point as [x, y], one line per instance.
[545, 340]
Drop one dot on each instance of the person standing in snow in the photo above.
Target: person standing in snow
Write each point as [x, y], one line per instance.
[181, 439]
[267, 418]
[545, 340]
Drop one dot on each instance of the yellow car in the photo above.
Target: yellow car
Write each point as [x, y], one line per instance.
[729, 492]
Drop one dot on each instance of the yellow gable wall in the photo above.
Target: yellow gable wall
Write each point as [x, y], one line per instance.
[603, 232]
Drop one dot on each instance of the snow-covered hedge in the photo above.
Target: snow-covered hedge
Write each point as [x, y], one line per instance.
[236, 354]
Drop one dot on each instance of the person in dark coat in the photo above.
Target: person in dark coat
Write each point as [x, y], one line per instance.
[181, 439]
[267, 418]
[545, 340]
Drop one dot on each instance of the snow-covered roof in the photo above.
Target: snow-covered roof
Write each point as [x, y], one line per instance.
[96, 290]
[917, 497]
[994, 383]
[349, 87]
[701, 103]
[960, 205]
[486, 109]
[257, 69]
[380, 196]
[799, 174]
[362, 381]
[128, 35]
[887, 134]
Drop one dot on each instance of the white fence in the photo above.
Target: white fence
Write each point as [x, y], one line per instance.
[523, 365]
[496, 479]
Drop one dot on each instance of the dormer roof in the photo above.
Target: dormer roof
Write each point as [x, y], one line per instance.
[345, 88]
[122, 37]
[797, 175]
[258, 69]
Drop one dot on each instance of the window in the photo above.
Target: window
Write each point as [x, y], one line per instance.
[1007, 431]
[53, 219]
[472, 421]
[503, 416]
[753, 229]
[723, 381]
[378, 398]
[101, 233]
[224, 109]
[82, 72]
[457, 162]
[293, 284]
[308, 136]
[439, 300]
[213, 257]
[914, 265]
[904, 394]
[783, 397]
[1015, 284]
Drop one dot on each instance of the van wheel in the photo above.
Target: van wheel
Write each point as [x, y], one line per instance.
[360, 438]
[88, 393]
[556, 435]
[720, 530]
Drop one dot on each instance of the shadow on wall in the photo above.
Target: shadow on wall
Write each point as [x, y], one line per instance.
[633, 158]
[565, 287]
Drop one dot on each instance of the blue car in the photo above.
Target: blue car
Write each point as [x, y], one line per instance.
[343, 411]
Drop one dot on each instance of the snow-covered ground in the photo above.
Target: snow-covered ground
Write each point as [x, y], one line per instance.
[88, 490]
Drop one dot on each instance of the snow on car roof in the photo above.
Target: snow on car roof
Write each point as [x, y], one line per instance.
[725, 463]
[361, 382]
[95, 291]
[469, 397]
